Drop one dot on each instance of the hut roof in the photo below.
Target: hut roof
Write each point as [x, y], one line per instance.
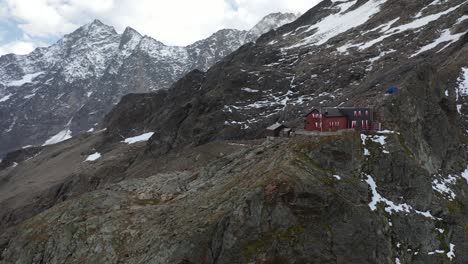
[332, 111]
[275, 126]
[338, 111]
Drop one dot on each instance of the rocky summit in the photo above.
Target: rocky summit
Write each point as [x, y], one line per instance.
[59, 91]
[186, 174]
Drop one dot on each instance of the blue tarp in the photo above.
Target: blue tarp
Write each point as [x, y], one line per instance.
[392, 90]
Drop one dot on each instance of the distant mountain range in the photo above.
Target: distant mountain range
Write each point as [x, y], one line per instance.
[56, 92]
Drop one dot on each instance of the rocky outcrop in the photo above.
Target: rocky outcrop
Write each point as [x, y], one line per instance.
[288, 202]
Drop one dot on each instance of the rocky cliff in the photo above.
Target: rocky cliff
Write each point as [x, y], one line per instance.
[197, 187]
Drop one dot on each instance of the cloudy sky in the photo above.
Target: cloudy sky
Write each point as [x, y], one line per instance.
[26, 24]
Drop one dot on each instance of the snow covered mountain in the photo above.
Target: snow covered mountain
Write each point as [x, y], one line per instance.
[67, 88]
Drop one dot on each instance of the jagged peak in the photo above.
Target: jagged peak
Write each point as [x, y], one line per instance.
[147, 43]
[274, 18]
[280, 14]
[130, 37]
[97, 26]
[131, 31]
[270, 22]
[97, 22]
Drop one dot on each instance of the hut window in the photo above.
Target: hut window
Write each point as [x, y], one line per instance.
[359, 114]
[355, 113]
[367, 113]
[353, 124]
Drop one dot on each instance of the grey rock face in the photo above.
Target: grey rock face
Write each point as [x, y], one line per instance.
[68, 87]
[294, 201]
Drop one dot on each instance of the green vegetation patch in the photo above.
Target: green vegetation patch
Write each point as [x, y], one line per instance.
[405, 147]
[455, 207]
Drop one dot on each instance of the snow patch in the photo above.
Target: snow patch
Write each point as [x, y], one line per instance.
[445, 36]
[451, 253]
[461, 19]
[415, 24]
[340, 22]
[249, 90]
[29, 96]
[5, 98]
[442, 186]
[140, 138]
[463, 84]
[378, 57]
[390, 207]
[465, 174]
[435, 2]
[387, 132]
[26, 79]
[380, 139]
[59, 137]
[366, 151]
[93, 157]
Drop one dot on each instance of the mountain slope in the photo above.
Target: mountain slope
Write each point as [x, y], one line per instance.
[269, 81]
[288, 201]
[67, 88]
[395, 196]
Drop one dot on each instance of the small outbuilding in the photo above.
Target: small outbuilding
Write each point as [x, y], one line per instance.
[286, 132]
[274, 130]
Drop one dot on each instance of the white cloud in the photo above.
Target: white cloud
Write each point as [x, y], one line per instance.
[17, 47]
[175, 22]
[43, 18]
[183, 22]
[251, 11]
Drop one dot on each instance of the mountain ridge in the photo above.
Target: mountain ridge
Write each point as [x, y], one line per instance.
[87, 72]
